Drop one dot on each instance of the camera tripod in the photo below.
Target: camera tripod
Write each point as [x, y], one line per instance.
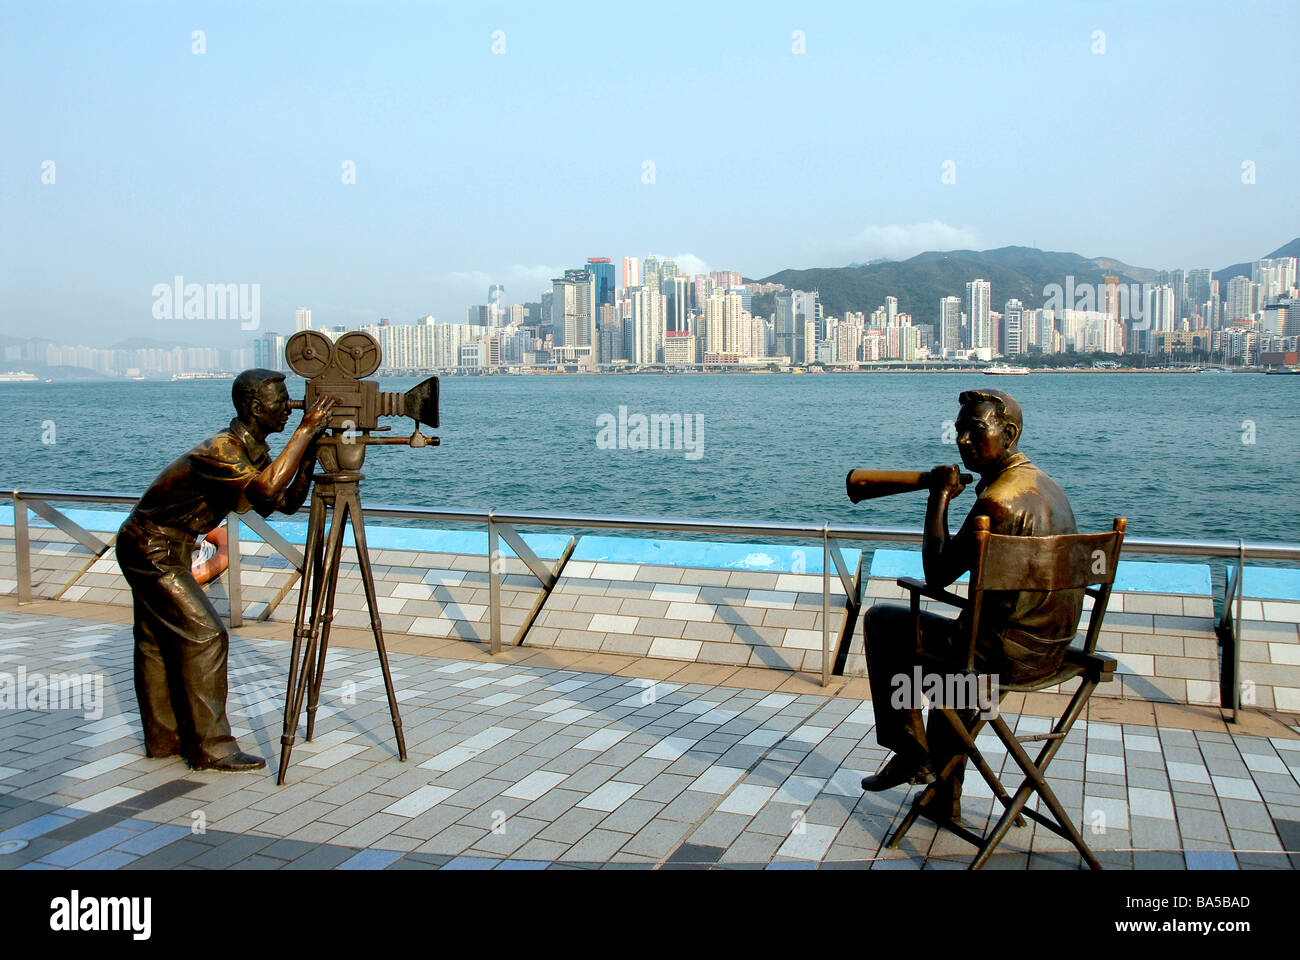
[338, 492]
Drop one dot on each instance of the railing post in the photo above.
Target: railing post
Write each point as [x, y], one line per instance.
[22, 550]
[1236, 630]
[826, 605]
[233, 578]
[494, 584]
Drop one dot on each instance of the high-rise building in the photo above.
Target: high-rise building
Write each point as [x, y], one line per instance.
[603, 270]
[746, 297]
[676, 298]
[1013, 328]
[648, 326]
[1198, 286]
[950, 323]
[610, 335]
[573, 309]
[1275, 277]
[268, 351]
[1178, 280]
[631, 272]
[789, 333]
[301, 321]
[722, 324]
[979, 305]
[1240, 299]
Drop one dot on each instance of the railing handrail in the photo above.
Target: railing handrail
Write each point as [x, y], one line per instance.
[1257, 550]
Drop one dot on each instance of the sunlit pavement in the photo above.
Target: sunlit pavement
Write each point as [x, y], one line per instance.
[546, 759]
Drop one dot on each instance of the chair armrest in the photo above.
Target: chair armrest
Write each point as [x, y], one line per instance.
[933, 593]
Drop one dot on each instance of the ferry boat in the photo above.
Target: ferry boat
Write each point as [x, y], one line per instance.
[1002, 370]
[19, 376]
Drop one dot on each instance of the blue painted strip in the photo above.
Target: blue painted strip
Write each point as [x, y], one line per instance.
[1269, 583]
[1133, 576]
[722, 556]
[892, 564]
[371, 859]
[155, 839]
[35, 827]
[671, 553]
[87, 847]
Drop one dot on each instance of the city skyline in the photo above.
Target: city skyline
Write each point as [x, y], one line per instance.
[587, 323]
[395, 162]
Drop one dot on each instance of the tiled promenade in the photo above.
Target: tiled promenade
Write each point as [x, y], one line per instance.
[549, 758]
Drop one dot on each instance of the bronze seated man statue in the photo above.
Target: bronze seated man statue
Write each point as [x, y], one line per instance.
[1023, 635]
[180, 643]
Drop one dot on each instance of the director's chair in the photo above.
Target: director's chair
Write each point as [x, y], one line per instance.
[1008, 563]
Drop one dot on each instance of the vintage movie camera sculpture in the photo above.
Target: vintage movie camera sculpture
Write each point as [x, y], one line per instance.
[339, 369]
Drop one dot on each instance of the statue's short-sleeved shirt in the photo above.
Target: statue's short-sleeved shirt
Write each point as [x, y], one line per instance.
[1034, 628]
[197, 491]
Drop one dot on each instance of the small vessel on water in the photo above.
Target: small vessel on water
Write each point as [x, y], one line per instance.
[1283, 372]
[1002, 370]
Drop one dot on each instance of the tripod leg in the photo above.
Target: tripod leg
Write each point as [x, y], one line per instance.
[368, 582]
[328, 571]
[327, 512]
[301, 625]
[327, 620]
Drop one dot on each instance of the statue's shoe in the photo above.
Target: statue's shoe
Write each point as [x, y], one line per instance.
[900, 770]
[234, 763]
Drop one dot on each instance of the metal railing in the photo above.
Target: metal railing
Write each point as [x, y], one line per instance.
[502, 524]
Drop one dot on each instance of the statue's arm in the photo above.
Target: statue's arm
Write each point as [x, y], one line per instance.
[296, 495]
[265, 490]
[944, 558]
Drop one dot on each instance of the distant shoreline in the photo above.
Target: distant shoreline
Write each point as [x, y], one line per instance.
[968, 371]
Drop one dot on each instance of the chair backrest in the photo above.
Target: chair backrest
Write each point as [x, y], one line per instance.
[1043, 564]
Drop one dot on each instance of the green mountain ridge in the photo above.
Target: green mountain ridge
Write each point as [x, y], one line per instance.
[921, 281]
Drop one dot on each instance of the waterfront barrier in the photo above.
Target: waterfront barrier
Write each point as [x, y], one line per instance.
[790, 599]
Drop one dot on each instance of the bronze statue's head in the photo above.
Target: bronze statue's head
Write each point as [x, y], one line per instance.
[261, 401]
[988, 428]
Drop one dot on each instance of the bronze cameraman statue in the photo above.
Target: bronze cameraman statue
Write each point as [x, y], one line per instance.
[180, 643]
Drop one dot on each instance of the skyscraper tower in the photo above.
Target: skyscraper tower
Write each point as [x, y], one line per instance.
[631, 272]
[979, 305]
[302, 319]
[650, 274]
[1013, 328]
[950, 323]
[674, 289]
[603, 270]
[573, 310]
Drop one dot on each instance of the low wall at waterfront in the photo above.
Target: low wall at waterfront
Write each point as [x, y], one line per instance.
[718, 603]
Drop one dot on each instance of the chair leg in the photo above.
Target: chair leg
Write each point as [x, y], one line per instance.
[1035, 781]
[922, 800]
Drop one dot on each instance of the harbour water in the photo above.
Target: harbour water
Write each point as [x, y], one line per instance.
[1179, 455]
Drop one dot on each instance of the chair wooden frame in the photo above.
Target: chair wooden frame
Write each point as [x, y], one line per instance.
[1064, 562]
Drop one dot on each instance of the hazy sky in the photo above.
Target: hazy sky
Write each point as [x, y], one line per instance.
[474, 166]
